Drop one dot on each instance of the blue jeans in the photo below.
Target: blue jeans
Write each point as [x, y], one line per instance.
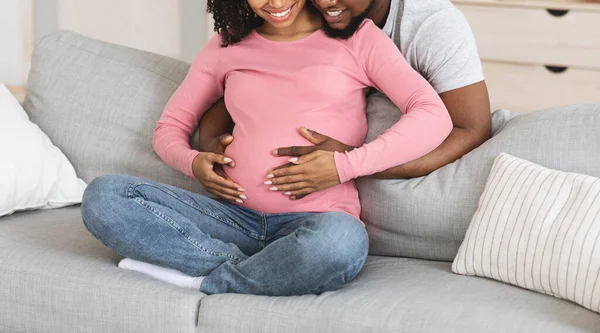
[238, 250]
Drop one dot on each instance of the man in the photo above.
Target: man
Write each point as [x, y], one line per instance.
[438, 43]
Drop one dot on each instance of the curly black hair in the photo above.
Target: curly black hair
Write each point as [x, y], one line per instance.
[234, 19]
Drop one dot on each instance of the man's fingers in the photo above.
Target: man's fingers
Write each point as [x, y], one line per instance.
[314, 137]
[299, 194]
[298, 197]
[226, 139]
[296, 151]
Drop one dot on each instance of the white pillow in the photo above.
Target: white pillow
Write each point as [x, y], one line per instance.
[537, 228]
[34, 174]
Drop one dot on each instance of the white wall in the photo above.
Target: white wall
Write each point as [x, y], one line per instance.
[12, 60]
[151, 25]
[175, 28]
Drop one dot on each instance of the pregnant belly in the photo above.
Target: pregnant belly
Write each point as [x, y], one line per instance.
[253, 159]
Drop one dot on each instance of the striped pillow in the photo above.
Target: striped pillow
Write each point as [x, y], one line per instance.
[536, 228]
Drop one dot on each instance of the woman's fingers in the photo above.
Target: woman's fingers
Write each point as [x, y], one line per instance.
[286, 180]
[207, 168]
[290, 187]
[217, 158]
[220, 185]
[226, 190]
[214, 178]
[223, 195]
[286, 170]
[283, 166]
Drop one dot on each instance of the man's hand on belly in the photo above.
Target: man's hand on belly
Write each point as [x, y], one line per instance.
[319, 141]
[315, 170]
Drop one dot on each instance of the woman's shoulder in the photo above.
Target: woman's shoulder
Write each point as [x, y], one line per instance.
[216, 41]
[216, 48]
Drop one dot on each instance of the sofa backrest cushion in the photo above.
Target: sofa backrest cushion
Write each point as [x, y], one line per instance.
[427, 217]
[99, 103]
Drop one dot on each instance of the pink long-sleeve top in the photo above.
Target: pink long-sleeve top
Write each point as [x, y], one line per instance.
[272, 87]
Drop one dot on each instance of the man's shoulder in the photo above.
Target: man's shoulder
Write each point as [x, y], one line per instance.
[439, 44]
[367, 28]
[418, 16]
[368, 33]
[421, 10]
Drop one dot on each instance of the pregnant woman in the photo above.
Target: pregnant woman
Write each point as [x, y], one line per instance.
[277, 68]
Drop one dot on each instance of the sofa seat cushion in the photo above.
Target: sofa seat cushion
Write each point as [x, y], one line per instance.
[400, 295]
[55, 278]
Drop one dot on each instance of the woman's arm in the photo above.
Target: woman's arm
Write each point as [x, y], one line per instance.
[424, 125]
[469, 109]
[202, 87]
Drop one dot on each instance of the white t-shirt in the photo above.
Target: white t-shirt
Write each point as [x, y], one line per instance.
[437, 41]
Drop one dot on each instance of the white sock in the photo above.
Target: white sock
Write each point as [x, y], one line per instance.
[169, 275]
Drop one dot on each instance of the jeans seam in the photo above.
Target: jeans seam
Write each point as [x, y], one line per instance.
[344, 272]
[264, 227]
[230, 223]
[183, 232]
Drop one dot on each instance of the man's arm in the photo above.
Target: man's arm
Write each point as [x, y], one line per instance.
[214, 123]
[448, 58]
[469, 109]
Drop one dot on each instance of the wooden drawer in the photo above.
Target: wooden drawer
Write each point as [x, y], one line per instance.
[527, 88]
[530, 34]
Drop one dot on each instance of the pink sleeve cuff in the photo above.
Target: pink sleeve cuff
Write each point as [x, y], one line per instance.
[189, 163]
[344, 168]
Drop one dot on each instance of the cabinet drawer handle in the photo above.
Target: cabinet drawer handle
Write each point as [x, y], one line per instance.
[557, 12]
[556, 69]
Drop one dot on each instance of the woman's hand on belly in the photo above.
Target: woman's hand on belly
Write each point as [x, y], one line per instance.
[321, 179]
[305, 175]
[215, 181]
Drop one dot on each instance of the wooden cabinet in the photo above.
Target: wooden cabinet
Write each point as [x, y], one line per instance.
[537, 54]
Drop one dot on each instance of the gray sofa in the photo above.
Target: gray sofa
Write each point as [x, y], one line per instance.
[99, 103]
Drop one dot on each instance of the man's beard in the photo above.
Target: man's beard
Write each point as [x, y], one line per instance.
[351, 28]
